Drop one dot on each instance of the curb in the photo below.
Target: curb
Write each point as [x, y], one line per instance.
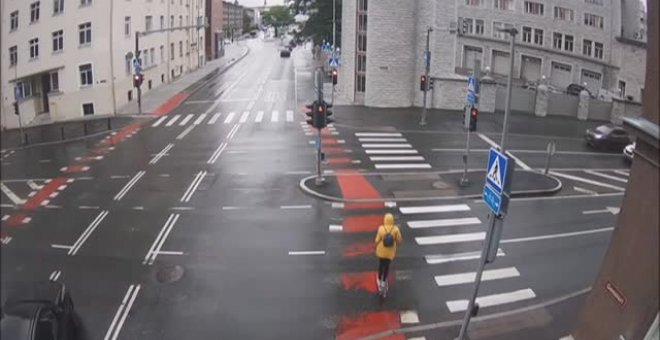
[522, 193]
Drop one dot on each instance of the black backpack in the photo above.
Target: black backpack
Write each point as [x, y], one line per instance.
[388, 240]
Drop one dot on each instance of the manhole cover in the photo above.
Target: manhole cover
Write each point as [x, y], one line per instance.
[169, 274]
[440, 185]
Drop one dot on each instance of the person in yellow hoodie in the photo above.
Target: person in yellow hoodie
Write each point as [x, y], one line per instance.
[388, 237]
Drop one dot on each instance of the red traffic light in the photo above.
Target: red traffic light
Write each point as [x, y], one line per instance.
[334, 76]
[474, 112]
[423, 83]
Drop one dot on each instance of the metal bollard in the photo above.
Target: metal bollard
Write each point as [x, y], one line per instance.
[85, 128]
[551, 151]
[62, 133]
[109, 126]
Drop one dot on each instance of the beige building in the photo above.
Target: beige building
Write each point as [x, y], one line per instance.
[69, 59]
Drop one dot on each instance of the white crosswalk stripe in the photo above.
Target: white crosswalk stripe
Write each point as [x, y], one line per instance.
[448, 222]
[377, 134]
[159, 121]
[434, 209]
[186, 119]
[391, 152]
[230, 117]
[492, 300]
[449, 239]
[383, 140]
[260, 117]
[396, 158]
[488, 275]
[403, 166]
[244, 117]
[274, 116]
[200, 119]
[289, 116]
[173, 120]
[214, 119]
[446, 258]
[392, 146]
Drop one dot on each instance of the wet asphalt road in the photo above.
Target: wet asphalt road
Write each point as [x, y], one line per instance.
[191, 221]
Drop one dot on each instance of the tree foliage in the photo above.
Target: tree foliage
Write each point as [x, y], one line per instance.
[319, 25]
[277, 16]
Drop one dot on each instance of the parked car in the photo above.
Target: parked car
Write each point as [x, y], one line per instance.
[607, 137]
[39, 311]
[575, 89]
[285, 53]
[629, 151]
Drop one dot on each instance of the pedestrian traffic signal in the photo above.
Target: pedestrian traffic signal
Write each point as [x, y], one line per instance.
[320, 110]
[334, 76]
[328, 113]
[423, 83]
[474, 113]
[16, 111]
[137, 80]
[310, 113]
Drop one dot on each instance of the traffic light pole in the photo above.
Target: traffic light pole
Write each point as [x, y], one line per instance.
[319, 154]
[334, 44]
[464, 180]
[139, 88]
[427, 69]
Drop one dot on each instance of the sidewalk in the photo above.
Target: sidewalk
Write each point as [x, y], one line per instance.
[153, 101]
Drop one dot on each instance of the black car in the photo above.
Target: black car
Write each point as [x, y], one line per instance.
[285, 53]
[575, 89]
[608, 137]
[39, 311]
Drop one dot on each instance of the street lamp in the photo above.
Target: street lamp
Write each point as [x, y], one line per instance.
[512, 31]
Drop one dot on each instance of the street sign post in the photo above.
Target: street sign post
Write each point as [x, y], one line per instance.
[498, 182]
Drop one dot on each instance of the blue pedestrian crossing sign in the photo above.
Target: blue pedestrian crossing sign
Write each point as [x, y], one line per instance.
[496, 170]
[492, 199]
[473, 88]
[333, 62]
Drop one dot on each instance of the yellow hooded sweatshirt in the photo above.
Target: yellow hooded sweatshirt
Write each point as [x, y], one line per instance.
[388, 226]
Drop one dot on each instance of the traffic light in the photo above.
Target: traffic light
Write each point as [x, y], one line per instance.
[311, 108]
[320, 109]
[16, 111]
[137, 80]
[474, 113]
[462, 26]
[334, 76]
[423, 83]
[328, 113]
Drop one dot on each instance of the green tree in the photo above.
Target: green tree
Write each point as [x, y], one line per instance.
[319, 25]
[277, 16]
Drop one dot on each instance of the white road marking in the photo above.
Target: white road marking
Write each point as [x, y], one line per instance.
[6, 240]
[309, 252]
[377, 134]
[5, 217]
[182, 208]
[213, 119]
[492, 300]
[162, 153]
[61, 246]
[186, 119]
[622, 173]
[448, 222]
[88, 207]
[289, 116]
[33, 185]
[614, 178]
[446, 258]
[260, 117]
[389, 145]
[403, 166]
[611, 210]
[244, 117]
[85, 235]
[588, 181]
[53, 194]
[553, 236]
[488, 275]
[173, 120]
[122, 313]
[199, 119]
[519, 162]
[408, 317]
[434, 209]
[160, 239]
[193, 186]
[295, 207]
[129, 185]
[233, 131]
[299, 172]
[391, 152]
[44, 161]
[274, 117]
[337, 205]
[170, 252]
[335, 228]
[383, 140]
[45, 202]
[4, 205]
[138, 208]
[230, 117]
[55, 275]
[12, 196]
[159, 121]
[584, 191]
[447, 239]
[185, 132]
[231, 208]
[396, 158]
[216, 153]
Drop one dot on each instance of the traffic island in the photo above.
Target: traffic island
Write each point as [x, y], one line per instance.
[419, 186]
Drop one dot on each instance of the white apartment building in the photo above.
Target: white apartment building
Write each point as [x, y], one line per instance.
[596, 42]
[67, 59]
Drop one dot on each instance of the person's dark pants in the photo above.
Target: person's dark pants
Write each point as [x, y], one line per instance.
[383, 268]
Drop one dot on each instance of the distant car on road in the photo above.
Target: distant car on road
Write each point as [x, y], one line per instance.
[39, 311]
[629, 152]
[575, 89]
[285, 53]
[607, 137]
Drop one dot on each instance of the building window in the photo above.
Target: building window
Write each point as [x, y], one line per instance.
[187, 20]
[128, 60]
[148, 23]
[58, 6]
[13, 22]
[171, 21]
[598, 50]
[58, 41]
[568, 43]
[563, 13]
[557, 39]
[34, 48]
[180, 48]
[24, 89]
[152, 53]
[361, 53]
[145, 59]
[13, 55]
[622, 88]
[594, 2]
[162, 22]
[586, 47]
[187, 47]
[527, 34]
[534, 8]
[538, 36]
[504, 4]
[88, 109]
[474, 2]
[85, 2]
[85, 33]
[479, 27]
[470, 54]
[497, 26]
[34, 12]
[180, 20]
[470, 25]
[54, 78]
[162, 54]
[593, 20]
[127, 26]
[172, 51]
[86, 76]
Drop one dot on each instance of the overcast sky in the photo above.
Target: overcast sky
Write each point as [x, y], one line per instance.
[252, 3]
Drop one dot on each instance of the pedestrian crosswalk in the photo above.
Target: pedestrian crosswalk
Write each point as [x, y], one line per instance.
[224, 118]
[391, 151]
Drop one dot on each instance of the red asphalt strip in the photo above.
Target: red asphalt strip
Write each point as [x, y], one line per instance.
[362, 223]
[369, 323]
[354, 185]
[359, 249]
[50, 187]
[338, 160]
[170, 104]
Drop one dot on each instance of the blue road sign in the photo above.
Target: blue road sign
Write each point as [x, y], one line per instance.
[137, 65]
[493, 199]
[333, 62]
[496, 170]
[427, 58]
[472, 90]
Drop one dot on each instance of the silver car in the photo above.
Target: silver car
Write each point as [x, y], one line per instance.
[629, 151]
